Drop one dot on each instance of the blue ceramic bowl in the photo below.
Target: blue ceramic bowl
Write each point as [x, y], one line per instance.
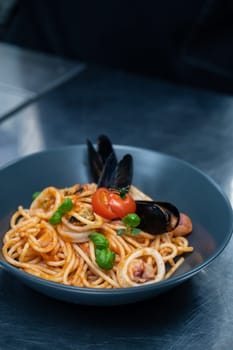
[163, 177]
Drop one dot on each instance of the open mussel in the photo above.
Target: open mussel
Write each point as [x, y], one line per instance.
[157, 217]
[106, 171]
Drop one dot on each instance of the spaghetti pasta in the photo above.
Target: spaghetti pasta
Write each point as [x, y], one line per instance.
[64, 253]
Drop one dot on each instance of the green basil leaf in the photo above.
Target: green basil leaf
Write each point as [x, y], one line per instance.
[105, 258]
[99, 240]
[55, 219]
[67, 205]
[131, 220]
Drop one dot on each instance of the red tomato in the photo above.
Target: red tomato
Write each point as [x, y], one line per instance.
[109, 204]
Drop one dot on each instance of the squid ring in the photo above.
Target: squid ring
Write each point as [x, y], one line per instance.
[46, 203]
[122, 270]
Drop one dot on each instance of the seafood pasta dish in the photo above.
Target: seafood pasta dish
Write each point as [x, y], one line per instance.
[101, 234]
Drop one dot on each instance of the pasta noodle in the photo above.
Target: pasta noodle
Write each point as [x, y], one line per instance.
[64, 253]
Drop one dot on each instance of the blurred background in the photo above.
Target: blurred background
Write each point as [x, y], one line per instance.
[188, 42]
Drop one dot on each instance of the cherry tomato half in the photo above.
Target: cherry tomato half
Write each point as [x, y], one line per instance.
[110, 205]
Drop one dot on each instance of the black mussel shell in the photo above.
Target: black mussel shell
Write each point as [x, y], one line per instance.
[94, 162]
[157, 217]
[107, 176]
[117, 175]
[105, 148]
[97, 158]
[123, 172]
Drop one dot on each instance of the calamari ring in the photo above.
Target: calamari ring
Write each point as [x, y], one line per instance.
[86, 225]
[122, 269]
[46, 203]
[73, 236]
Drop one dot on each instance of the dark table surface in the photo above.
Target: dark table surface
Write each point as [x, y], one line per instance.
[194, 125]
[25, 75]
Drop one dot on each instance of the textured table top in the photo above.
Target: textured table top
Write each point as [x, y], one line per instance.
[194, 125]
